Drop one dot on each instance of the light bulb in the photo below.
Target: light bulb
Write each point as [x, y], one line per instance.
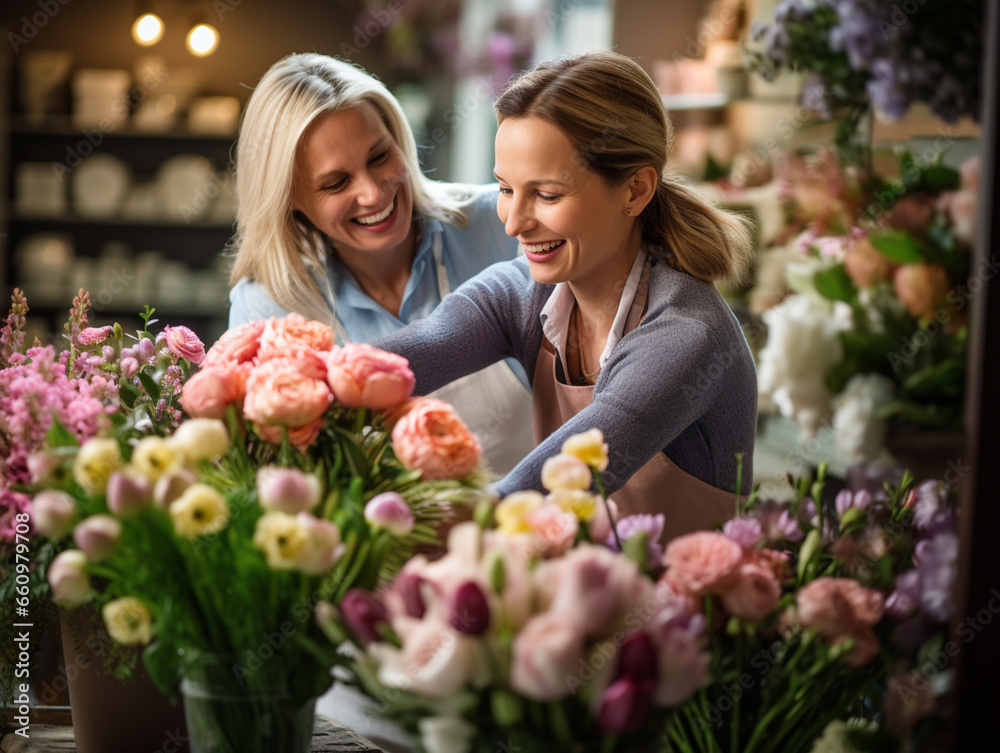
[202, 40]
[147, 29]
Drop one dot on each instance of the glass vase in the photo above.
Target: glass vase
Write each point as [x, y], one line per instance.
[232, 709]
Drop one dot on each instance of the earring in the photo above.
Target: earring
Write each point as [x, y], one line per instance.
[628, 210]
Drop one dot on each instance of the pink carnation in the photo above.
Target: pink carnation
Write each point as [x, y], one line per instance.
[432, 438]
[287, 392]
[841, 608]
[183, 342]
[238, 345]
[291, 335]
[94, 335]
[754, 593]
[209, 392]
[702, 562]
[363, 376]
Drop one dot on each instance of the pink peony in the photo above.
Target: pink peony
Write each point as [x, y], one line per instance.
[237, 345]
[363, 376]
[547, 651]
[287, 392]
[94, 335]
[183, 342]
[702, 562]
[300, 437]
[209, 392]
[754, 593]
[432, 438]
[292, 335]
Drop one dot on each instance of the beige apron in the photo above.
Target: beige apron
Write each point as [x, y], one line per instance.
[688, 503]
[493, 402]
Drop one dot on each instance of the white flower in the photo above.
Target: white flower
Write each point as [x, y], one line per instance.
[446, 734]
[201, 439]
[128, 621]
[857, 429]
[297, 542]
[802, 345]
[155, 456]
[834, 738]
[97, 459]
[200, 510]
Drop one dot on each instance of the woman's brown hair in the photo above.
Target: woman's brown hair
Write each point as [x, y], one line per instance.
[613, 114]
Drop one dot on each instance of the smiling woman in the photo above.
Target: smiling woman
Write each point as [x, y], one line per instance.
[337, 222]
[612, 311]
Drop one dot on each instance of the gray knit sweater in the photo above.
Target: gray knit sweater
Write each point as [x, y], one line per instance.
[683, 382]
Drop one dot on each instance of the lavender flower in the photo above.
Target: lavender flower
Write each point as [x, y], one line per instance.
[937, 564]
[747, 532]
[651, 525]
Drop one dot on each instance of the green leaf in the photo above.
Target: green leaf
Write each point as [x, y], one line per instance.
[148, 384]
[938, 178]
[127, 394]
[898, 246]
[59, 436]
[945, 379]
[835, 284]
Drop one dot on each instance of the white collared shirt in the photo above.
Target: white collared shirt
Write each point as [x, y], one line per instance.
[556, 313]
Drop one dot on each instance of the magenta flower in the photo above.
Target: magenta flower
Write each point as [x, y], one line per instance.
[470, 612]
[363, 613]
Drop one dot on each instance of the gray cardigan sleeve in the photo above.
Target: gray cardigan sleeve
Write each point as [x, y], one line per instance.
[491, 317]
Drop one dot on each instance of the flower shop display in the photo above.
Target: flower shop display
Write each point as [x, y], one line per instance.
[866, 327]
[301, 470]
[865, 54]
[546, 626]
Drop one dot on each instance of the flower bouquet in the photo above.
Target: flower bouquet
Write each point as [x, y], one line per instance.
[545, 626]
[873, 336]
[50, 396]
[870, 54]
[303, 470]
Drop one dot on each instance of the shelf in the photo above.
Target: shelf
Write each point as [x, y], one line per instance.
[63, 127]
[71, 221]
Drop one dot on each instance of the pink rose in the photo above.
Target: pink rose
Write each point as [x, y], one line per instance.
[557, 527]
[754, 593]
[363, 376]
[300, 437]
[596, 587]
[549, 648]
[209, 392]
[287, 392]
[922, 288]
[94, 335]
[432, 438]
[292, 335]
[183, 342]
[702, 562]
[435, 661]
[237, 345]
[682, 666]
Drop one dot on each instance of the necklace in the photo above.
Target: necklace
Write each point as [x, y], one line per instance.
[585, 376]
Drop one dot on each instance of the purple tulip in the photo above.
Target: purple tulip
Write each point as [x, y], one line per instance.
[470, 613]
[362, 613]
[625, 705]
[638, 658]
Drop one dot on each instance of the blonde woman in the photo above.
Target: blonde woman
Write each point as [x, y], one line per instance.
[337, 222]
[613, 310]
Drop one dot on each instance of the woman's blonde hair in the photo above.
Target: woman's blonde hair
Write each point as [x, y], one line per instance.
[613, 114]
[275, 245]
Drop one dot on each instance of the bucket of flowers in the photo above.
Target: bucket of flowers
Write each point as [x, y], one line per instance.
[302, 470]
[547, 627]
